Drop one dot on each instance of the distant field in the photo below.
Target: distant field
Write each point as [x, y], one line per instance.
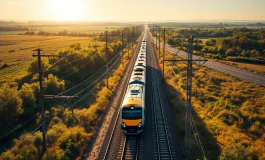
[58, 28]
[22, 49]
[23, 46]
[82, 29]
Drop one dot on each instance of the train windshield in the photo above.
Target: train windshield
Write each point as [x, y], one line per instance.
[132, 113]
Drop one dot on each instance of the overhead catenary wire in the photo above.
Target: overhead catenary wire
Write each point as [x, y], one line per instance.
[96, 79]
[17, 127]
[192, 122]
[92, 88]
[197, 137]
[87, 78]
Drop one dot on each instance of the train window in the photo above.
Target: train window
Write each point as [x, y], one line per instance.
[135, 92]
[135, 113]
[138, 73]
[139, 69]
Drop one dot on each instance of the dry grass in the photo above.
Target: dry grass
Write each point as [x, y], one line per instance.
[255, 68]
[230, 111]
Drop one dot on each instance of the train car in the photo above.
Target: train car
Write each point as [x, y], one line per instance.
[132, 111]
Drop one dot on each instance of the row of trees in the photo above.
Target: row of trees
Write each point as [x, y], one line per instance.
[14, 28]
[224, 43]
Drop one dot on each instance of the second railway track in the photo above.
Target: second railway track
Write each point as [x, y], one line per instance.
[162, 140]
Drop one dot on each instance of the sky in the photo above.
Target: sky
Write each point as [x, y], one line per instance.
[132, 10]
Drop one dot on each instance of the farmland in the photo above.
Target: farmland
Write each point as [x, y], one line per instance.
[23, 46]
[16, 51]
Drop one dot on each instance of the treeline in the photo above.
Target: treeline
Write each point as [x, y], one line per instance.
[60, 33]
[101, 37]
[14, 28]
[239, 44]
[205, 25]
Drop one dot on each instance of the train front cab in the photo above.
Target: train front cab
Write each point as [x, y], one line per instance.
[132, 118]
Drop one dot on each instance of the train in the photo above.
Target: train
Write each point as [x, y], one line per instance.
[132, 110]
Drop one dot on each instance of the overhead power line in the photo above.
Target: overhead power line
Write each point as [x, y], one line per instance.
[9, 151]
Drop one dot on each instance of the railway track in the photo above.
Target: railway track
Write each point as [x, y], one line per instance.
[162, 140]
[129, 148]
[116, 128]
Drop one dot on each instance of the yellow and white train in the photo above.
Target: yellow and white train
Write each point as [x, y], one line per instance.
[132, 111]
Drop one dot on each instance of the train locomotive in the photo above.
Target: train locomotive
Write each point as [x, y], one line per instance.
[132, 110]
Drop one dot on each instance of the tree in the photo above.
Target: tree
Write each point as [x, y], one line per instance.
[231, 52]
[33, 68]
[26, 93]
[13, 108]
[53, 85]
[76, 46]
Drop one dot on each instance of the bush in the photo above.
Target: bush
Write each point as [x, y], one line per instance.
[236, 151]
[33, 68]
[53, 85]
[26, 93]
[246, 60]
[229, 117]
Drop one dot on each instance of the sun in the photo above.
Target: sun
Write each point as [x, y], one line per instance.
[65, 9]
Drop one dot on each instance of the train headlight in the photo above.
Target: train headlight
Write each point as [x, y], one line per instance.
[123, 125]
[140, 125]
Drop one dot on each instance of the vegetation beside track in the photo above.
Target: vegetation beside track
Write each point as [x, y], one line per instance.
[67, 133]
[228, 112]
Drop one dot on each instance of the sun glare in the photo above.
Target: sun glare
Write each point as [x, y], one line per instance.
[65, 9]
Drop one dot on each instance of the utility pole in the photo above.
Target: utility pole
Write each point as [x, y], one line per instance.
[164, 50]
[159, 41]
[134, 33]
[41, 99]
[107, 61]
[156, 37]
[189, 96]
[128, 43]
[43, 130]
[188, 92]
[132, 39]
[122, 47]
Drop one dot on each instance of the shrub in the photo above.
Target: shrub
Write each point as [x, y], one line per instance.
[53, 85]
[33, 68]
[26, 93]
[229, 117]
[13, 107]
